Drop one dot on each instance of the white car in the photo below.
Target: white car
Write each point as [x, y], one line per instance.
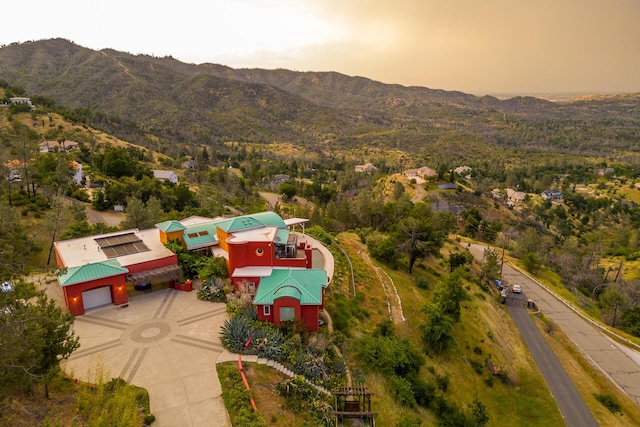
[6, 287]
[517, 289]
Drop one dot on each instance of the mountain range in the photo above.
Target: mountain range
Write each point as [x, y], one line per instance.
[162, 103]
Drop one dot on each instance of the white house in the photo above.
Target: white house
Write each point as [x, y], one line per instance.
[77, 173]
[368, 167]
[552, 195]
[163, 175]
[51, 146]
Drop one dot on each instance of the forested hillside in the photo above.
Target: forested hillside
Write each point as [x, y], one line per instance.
[161, 102]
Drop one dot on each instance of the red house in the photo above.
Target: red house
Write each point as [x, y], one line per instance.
[94, 270]
[258, 247]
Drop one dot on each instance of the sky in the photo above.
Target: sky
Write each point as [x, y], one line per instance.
[480, 47]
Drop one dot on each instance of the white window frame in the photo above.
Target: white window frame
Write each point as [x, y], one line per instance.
[266, 310]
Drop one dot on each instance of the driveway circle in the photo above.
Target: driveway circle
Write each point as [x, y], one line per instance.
[149, 333]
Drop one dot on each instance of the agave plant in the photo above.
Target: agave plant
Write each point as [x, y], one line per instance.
[235, 333]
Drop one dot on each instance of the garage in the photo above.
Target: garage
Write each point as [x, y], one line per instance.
[96, 297]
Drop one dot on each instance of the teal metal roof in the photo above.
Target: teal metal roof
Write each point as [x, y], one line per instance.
[269, 218]
[201, 235]
[251, 221]
[170, 226]
[93, 271]
[303, 284]
[282, 236]
[239, 223]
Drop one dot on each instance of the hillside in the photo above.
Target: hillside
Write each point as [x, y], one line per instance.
[161, 102]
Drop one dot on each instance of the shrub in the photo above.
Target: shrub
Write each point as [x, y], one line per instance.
[212, 290]
[402, 391]
[235, 333]
[609, 402]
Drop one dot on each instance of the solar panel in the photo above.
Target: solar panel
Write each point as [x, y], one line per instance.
[121, 245]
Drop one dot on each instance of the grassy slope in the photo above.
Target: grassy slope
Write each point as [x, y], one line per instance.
[485, 326]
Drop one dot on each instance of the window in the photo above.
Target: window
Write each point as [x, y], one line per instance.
[287, 313]
[259, 251]
[266, 310]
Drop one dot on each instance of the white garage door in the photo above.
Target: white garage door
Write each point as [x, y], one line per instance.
[96, 297]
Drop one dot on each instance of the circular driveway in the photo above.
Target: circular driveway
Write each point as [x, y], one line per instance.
[167, 342]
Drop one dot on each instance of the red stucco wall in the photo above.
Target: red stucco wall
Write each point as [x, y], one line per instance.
[310, 317]
[73, 293]
[262, 317]
[285, 302]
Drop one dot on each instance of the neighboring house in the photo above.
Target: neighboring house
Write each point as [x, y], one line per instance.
[461, 170]
[279, 178]
[426, 172]
[77, 173]
[411, 173]
[444, 206]
[20, 100]
[163, 175]
[367, 167]
[54, 146]
[515, 196]
[189, 164]
[552, 195]
[605, 171]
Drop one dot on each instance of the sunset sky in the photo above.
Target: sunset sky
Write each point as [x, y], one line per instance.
[479, 47]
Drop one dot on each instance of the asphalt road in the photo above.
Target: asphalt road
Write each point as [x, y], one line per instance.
[572, 407]
[618, 362]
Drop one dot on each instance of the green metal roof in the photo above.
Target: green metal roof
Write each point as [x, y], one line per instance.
[170, 226]
[282, 236]
[269, 218]
[93, 271]
[201, 235]
[303, 284]
[251, 221]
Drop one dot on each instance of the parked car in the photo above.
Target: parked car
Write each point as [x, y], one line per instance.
[517, 289]
[6, 287]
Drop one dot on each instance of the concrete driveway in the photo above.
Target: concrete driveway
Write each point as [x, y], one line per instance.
[167, 342]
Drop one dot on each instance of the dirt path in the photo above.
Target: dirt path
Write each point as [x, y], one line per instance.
[420, 191]
[394, 304]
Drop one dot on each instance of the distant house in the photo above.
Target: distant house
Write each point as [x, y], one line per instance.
[367, 167]
[552, 195]
[163, 175]
[54, 146]
[20, 100]
[605, 171]
[189, 164]
[461, 170]
[516, 196]
[426, 172]
[444, 206]
[77, 173]
[411, 173]
[279, 178]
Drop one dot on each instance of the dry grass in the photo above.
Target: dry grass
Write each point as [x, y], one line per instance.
[589, 380]
[486, 335]
[262, 380]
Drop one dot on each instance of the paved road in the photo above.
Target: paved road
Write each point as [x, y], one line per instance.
[573, 409]
[618, 362]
